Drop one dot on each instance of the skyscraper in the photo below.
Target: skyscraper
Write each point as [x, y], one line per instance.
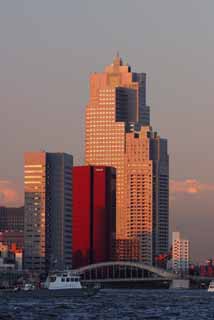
[93, 225]
[117, 100]
[48, 211]
[146, 181]
[118, 135]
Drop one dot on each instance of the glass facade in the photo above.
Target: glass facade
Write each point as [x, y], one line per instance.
[47, 213]
[93, 225]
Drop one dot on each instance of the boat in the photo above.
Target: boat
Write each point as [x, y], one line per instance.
[59, 284]
[211, 286]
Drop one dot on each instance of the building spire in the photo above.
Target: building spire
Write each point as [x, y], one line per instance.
[117, 60]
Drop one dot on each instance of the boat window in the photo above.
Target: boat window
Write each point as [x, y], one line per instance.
[68, 279]
[62, 279]
[52, 279]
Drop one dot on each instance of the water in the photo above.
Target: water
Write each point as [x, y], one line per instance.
[115, 304]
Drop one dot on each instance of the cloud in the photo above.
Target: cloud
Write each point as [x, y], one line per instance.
[10, 194]
[189, 186]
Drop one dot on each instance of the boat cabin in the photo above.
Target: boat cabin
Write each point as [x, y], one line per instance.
[63, 280]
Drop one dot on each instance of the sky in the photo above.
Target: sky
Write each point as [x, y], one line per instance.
[48, 48]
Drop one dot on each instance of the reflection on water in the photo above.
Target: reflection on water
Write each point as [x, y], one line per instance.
[115, 304]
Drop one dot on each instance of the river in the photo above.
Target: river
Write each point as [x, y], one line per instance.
[115, 304]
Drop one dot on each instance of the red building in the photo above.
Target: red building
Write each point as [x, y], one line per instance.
[208, 269]
[93, 215]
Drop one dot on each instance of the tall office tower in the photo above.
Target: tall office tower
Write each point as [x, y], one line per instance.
[117, 100]
[115, 115]
[93, 225]
[146, 180]
[48, 211]
[180, 254]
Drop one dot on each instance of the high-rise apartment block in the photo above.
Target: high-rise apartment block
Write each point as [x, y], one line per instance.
[93, 223]
[180, 254]
[48, 211]
[146, 180]
[118, 135]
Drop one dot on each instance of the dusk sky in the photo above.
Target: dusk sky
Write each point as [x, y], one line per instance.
[49, 48]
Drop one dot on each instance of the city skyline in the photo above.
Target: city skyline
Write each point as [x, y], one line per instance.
[180, 87]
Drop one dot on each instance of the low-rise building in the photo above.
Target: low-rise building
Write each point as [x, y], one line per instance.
[12, 226]
[10, 257]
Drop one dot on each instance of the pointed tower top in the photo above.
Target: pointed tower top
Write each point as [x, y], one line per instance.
[117, 60]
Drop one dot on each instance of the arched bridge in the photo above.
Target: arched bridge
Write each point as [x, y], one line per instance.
[121, 271]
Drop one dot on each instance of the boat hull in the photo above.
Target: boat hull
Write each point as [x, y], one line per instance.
[46, 293]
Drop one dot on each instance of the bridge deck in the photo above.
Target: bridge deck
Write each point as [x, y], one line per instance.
[126, 280]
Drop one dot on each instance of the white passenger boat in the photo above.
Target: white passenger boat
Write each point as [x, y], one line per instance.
[58, 284]
[63, 280]
[211, 286]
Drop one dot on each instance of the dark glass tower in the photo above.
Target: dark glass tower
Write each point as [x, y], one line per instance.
[48, 211]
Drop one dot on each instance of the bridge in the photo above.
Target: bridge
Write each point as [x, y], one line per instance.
[123, 272]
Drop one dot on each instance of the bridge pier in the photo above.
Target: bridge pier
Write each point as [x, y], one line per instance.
[180, 284]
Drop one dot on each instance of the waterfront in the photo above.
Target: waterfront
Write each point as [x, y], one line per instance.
[115, 304]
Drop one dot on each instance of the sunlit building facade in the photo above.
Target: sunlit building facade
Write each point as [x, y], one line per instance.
[146, 180]
[48, 211]
[116, 114]
[117, 99]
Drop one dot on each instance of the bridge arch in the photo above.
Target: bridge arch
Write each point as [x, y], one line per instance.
[107, 270]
